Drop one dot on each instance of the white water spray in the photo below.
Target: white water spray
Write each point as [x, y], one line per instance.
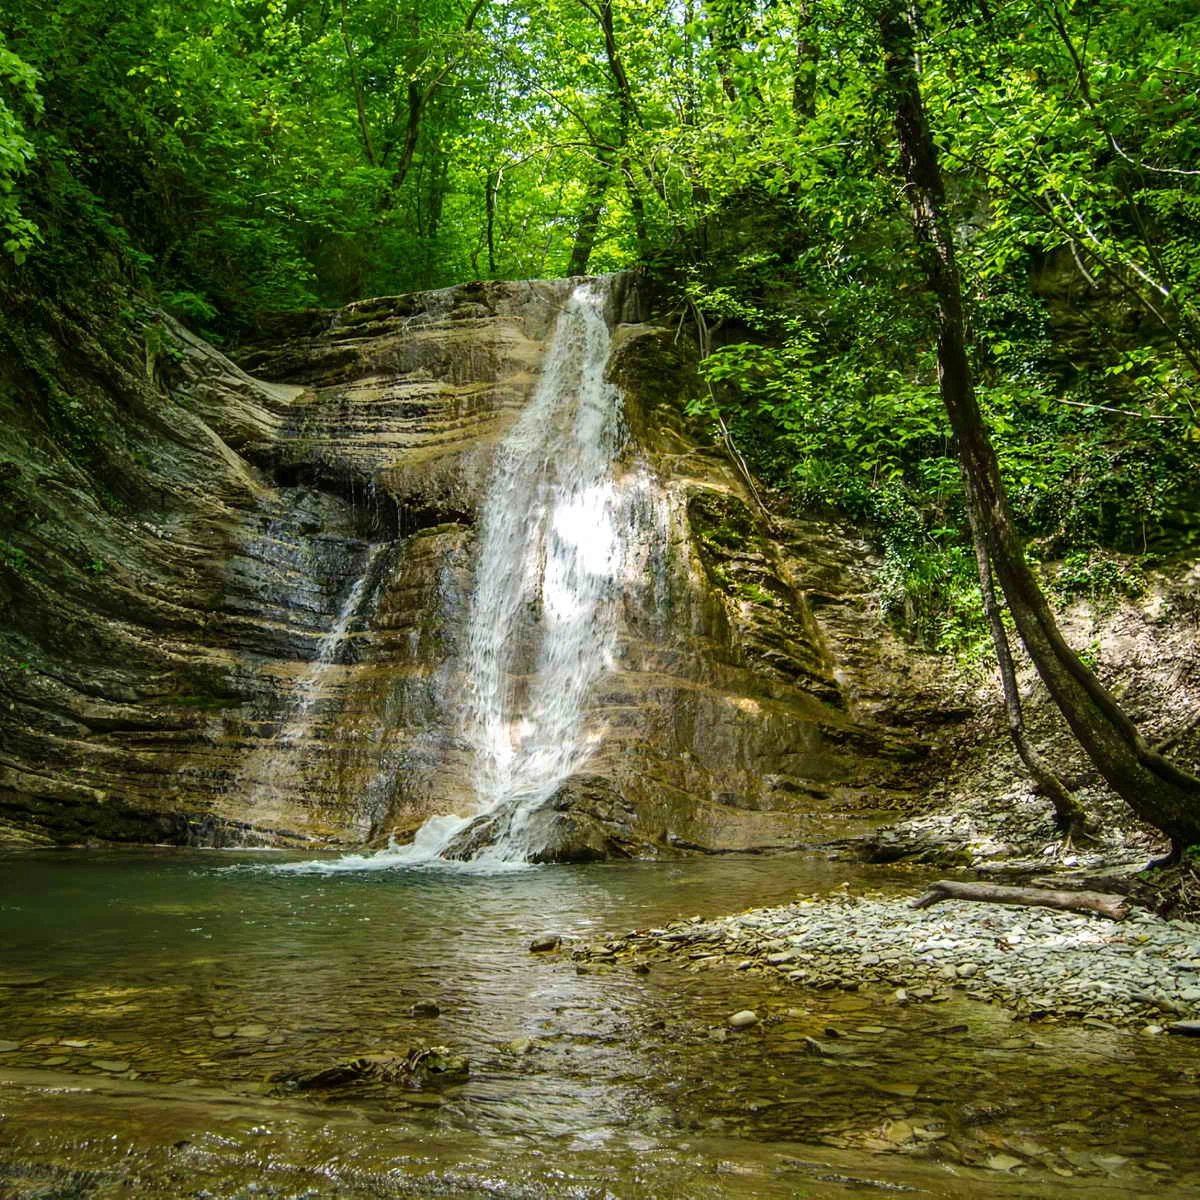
[558, 541]
[543, 620]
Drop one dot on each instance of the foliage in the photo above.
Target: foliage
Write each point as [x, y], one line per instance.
[18, 94]
[242, 158]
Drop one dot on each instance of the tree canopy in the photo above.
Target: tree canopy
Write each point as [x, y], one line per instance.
[235, 158]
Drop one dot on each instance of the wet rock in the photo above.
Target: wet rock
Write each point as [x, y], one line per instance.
[1185, 1028]
[425, 1008]
[422, 1066]
[22, 979]
[6, 1047]
[897, 1132]
[743, 1019]
[1002, 1162]
[545, 943]
[116, 1066]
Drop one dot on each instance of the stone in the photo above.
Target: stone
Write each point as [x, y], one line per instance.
[425, 1008]
[7, 1047]
[1002, 1162]
[423, 1065]
[897, 1132]
[1185, 1028]
[251, 1031]
[116, 1066]
[743, 1019]
[545, 943]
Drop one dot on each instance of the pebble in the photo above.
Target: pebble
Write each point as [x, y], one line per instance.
[544, 943]
[743, 1019]
[5, 1047]
[1085, 968]
[1002, 1162]
[110, 1064]
[425, 1008]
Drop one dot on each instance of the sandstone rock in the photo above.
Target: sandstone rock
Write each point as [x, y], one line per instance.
[184, 683]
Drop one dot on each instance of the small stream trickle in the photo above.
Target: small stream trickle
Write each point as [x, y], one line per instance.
[280, 765]
[329, 648]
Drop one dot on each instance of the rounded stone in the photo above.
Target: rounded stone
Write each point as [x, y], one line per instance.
[743, 1019]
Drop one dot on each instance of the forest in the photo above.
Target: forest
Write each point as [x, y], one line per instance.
[229, 160]
[534, 533]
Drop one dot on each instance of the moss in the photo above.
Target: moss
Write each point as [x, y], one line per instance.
[756, 594]
[724, 524]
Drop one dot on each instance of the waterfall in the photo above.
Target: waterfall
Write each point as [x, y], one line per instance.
[567, 533]
[558, 540]
[542, 626]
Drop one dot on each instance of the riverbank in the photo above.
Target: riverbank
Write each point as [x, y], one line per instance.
[1143, 972]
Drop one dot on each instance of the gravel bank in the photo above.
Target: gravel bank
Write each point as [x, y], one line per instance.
[1144, 971]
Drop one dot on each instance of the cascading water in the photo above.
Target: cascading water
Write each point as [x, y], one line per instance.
[280, 763]
[330, 646]
[543, 624]
[561, 532]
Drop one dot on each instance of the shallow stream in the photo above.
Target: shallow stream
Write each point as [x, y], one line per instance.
[154, 1006]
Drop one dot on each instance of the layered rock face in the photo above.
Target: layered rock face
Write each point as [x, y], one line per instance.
[239, 613]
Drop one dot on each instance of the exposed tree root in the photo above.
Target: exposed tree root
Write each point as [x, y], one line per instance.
[1171, 891]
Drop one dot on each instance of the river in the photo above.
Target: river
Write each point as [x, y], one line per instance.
[155, 1005]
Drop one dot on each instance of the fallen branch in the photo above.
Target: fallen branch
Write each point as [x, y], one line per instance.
[1106, 904]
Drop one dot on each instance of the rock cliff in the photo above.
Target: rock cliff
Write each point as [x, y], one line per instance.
[232, 597]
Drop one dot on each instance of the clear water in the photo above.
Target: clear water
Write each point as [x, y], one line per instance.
[146, 999]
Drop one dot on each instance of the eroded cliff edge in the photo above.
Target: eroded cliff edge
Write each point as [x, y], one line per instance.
[232, 603]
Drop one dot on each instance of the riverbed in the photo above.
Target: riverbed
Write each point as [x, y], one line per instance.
[159, 1007]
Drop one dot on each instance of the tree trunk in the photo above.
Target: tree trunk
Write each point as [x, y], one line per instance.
[491, 186]
[360, 106]
[1068, 812]
[804, 72]
[589, 221]
[1159, 792]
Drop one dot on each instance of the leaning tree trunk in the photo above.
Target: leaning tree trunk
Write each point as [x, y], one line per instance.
[1069, 813]
[1159, 792]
